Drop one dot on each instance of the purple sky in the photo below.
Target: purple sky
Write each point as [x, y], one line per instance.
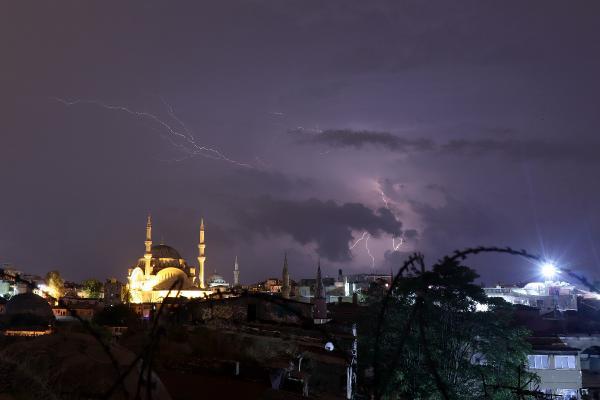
[475, 121]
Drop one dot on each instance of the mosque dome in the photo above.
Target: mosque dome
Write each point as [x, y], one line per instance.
[164, 251]
[217, 280]
[29, 303]
[164, 256]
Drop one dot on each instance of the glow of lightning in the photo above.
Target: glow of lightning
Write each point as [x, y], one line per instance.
[383, 196]
[195, 149]
[385, 199]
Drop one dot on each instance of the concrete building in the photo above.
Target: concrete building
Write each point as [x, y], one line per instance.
[558, 367]
[588, 346]
[545, 296]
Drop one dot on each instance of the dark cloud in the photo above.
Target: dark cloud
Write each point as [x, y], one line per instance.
[459, 223]
[359, 139]
[507, 147]
[327, 224]
[522, 149]
[410, 234]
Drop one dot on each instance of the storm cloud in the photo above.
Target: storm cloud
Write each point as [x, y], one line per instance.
[513, 148]
[358, 139]
[521, 149]
[327, 224]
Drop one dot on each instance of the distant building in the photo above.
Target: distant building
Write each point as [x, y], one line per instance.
[217, 281]
[273, 285]
[345, 288]
[74, 311]
[545, 296]
[113, 292]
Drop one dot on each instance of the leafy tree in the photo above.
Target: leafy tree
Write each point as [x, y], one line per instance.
[92, 288]
[55, 283]
[443, 338]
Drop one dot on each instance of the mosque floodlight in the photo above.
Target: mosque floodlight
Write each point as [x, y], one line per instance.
[549, 270]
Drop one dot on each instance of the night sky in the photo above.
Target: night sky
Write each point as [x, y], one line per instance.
[298, 126]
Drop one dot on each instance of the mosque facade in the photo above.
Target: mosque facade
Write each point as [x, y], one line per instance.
[161, 272]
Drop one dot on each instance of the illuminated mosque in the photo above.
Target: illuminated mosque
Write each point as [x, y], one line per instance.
[162, 272]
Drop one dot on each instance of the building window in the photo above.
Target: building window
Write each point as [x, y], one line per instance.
[564, 362]
[538, 361]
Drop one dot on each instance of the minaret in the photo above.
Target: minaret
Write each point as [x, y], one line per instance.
[236, 273]
[148, 243]
[319, 288]
[320, 302]
[201, 256]
[285, 286]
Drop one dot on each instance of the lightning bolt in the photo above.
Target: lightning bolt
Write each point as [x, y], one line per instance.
[369, 252]
[183, 134]
[395, 246]
[386, 201]
[365, 236]
[358, 240]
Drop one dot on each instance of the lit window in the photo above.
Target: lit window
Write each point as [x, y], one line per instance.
[564, 362]
[538, 361]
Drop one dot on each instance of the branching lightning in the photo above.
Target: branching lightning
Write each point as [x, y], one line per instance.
[187, 142]
[358, 240]
[369, 251]
[365, 236]
[386, 201]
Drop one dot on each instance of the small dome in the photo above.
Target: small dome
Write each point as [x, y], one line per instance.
[164, 251]
[29, 303]
[217, 280]
[535, 286]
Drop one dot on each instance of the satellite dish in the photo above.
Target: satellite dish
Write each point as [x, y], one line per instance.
[329, 346]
